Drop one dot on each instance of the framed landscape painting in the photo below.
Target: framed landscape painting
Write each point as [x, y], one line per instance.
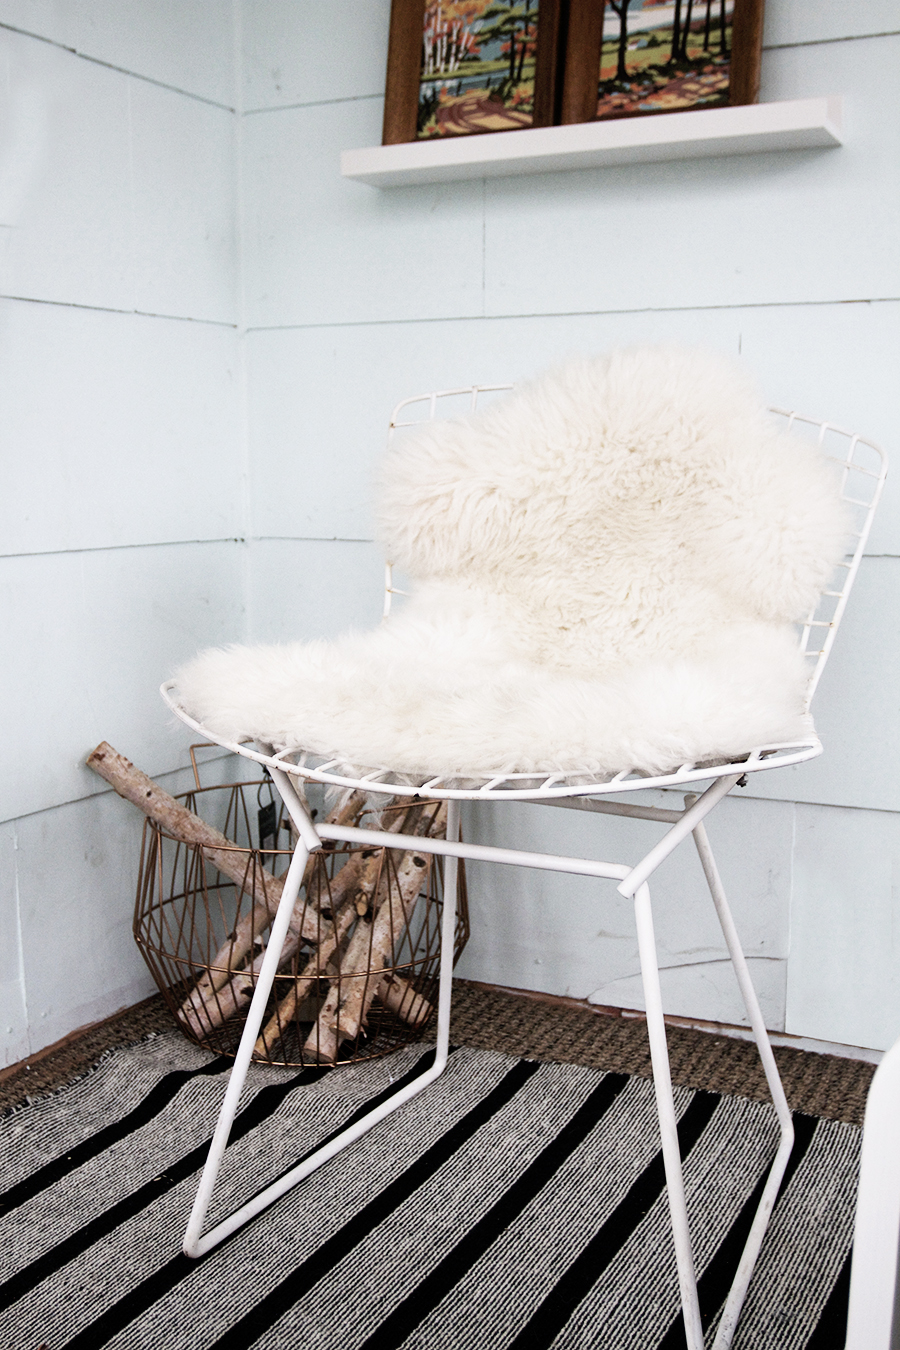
[466, 67]
[631, 58]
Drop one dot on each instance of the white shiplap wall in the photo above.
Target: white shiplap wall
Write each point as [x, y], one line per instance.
[152, 510]
[356, 297]
[122, 459]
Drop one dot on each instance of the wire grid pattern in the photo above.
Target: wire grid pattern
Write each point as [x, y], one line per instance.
[863, 467]
[188, 916]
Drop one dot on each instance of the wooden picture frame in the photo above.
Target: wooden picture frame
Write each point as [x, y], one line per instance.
[445, 79]
[628, 60]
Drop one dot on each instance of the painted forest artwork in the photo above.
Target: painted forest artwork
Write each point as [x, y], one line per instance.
[478, 65]
[664, 56]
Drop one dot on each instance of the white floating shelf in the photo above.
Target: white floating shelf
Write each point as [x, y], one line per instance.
[800, 124]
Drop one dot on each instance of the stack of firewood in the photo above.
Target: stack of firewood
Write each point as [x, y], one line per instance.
[350, 921]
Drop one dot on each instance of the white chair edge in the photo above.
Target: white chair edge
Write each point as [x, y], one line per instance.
[872, 1323]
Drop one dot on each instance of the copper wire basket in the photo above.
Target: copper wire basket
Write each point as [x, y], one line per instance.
[339, 996]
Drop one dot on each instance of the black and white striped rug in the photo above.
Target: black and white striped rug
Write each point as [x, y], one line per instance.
[515, 1205]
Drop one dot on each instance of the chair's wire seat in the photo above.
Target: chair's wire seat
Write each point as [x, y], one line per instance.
[863, 467]
[501, 785]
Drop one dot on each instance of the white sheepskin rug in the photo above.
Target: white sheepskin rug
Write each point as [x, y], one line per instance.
[607, 563]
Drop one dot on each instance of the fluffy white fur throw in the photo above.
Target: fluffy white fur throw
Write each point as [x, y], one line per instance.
[607, 565]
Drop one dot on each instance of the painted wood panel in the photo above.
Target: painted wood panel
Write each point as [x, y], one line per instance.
[756, 229]
[310, 588]
[575, 937]
[77, 868]
[56, 20]
[312, 51]
[185, 43]
[184, 207]
[844, 971]
[706, 991]
[836, 362]
[77, 871]
[188, 44]
[116, 194]
[792, 21]
[93, 635]
[117, 430]
[322, 249]
[13, 1010]
[320, 398]
[856, 709]
[67, 197]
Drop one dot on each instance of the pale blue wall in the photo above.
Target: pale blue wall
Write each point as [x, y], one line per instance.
[157, 510]
[356, 297]
[122, 459]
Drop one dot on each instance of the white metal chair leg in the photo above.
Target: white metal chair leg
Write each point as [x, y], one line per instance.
[738, 1291]
[195, 1242]
[448, 943]
[668, 1126]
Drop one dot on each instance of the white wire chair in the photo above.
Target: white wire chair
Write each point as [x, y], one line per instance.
[863, 469]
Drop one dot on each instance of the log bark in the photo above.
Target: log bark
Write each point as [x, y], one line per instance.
[305, 925]
[221, 994]
[222, 991]
[348, 894]
[400, 998]
[182, 824]
[223, 1002]
[370, 949]
[395, 993]
[235, 863]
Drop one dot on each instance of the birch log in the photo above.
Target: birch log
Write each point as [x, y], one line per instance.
[231, 999]
[371, 948]
[400, 998]
[223, 991]
[305, 925]
[234, 992]
[264, 888]
[182, 824]
[347, 895]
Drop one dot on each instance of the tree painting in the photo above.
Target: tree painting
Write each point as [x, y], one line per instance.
[478, 59]
[664, 56]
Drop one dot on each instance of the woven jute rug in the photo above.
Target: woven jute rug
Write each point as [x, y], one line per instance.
[532, 1026]
[516, 1203]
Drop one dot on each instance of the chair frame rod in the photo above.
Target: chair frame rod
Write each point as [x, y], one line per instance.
[197, 1243]
[668, 1124]
[194, 1243]
[738, 1292]
[689, 820]
[548, 862]
[611, 808]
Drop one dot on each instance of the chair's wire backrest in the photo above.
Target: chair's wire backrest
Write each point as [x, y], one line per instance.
[863, 468]
[452, 403]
